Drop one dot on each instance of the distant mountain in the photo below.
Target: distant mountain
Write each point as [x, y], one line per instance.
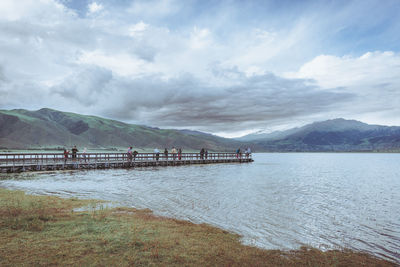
[266, 136]
[330, 135]
[47, 128]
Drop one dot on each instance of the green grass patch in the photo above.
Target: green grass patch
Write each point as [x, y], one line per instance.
[44, 230]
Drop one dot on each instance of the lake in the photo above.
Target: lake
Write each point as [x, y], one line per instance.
[280, 201]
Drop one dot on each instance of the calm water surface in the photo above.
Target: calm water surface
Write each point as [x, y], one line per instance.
[280, 201]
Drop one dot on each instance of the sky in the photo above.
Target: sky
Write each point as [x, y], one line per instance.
[224, 67]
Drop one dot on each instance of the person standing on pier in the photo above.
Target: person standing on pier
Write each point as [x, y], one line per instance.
[166, 153]
[157, 153]
[135, 154]
[206, 154]
[248, 152]
[129, 154]
[180, 153]
[237, 153]
[202, 153]
[66, 152]
[74, 150]
[84, 154]
[173, 151]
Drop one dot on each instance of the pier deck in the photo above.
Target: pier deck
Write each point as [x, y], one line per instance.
[11, 162]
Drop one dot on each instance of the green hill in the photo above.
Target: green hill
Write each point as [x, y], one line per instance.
[47, 128]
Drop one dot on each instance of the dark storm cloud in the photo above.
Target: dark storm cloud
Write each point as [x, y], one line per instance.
[254, 103]
[188, 102]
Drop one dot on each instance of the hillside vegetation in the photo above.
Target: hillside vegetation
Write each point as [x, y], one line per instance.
[47, 128]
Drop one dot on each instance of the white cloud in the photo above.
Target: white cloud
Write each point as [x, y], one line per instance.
[370, 69]
[121, 63]
[154, 8]
[137, 29]
[374, 77]
[95, 7]
[200, 38]
[45, 11]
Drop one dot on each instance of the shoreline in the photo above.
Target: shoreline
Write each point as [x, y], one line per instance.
[48, 230]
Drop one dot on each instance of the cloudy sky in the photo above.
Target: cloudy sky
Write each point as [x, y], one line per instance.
[224, 67]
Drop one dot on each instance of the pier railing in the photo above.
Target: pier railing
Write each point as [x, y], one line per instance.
[23, 159]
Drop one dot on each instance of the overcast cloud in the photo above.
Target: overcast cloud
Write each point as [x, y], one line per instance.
[227, 68]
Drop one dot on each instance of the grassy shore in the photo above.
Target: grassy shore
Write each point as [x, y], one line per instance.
[44, 230]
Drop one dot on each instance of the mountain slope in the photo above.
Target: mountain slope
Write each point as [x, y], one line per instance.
[51, 128]
[46, 128]
[331, 135]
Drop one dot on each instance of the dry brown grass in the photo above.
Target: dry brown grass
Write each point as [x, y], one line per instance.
[44, 231]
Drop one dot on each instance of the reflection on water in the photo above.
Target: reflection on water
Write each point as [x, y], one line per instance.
[279, 201]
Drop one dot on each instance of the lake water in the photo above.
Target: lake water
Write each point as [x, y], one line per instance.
[280, 201]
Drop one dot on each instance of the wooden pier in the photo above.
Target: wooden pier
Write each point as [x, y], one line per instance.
[10, 162]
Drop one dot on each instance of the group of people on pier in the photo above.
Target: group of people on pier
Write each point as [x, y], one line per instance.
[74, 150]
[175, 154]
[239, 152]
[132, 154]
[203, 153]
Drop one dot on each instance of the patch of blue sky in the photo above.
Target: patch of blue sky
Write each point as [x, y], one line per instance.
[78, 6]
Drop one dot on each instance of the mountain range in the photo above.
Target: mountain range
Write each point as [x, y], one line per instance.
[330, 135]
[48, 128]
